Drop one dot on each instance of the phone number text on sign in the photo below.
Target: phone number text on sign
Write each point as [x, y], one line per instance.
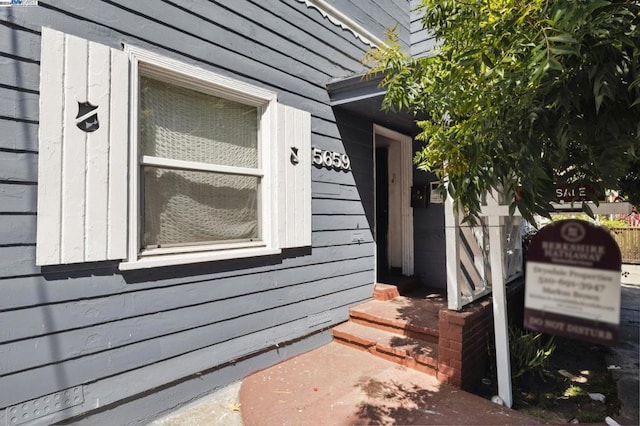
[331, 159]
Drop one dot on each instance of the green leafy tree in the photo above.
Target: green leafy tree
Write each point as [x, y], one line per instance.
[523, 94]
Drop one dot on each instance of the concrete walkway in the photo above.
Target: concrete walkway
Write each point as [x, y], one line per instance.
[219, 408]
[624, 360]
[630, 274]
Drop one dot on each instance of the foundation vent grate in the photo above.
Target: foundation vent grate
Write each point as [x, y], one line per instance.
[317, 319]
[30, 410]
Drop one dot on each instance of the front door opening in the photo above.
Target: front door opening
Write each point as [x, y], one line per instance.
[382, 213]
[394, 217]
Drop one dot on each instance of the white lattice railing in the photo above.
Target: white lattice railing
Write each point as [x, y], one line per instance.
[479, 256]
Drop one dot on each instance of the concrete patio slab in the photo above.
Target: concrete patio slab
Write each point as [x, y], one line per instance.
[338, 385]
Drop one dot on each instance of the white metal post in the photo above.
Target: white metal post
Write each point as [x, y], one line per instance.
[500, 320]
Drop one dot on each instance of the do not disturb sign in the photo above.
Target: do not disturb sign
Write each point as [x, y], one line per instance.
[572, 283]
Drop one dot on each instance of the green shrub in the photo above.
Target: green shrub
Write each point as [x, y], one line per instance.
[600, 220]
[615, 223]
[529, 353]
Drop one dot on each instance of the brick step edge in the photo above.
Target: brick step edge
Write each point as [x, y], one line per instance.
[409, 352]
[404, 328]
[385, 292]
[388, 291]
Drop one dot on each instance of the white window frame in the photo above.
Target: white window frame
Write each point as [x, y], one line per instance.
[192, 77]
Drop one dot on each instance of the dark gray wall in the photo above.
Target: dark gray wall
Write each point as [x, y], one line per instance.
[357, 134]
[428, 223]
[428, 235]
[145, 336]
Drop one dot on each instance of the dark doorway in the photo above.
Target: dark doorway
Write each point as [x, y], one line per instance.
[382, 211]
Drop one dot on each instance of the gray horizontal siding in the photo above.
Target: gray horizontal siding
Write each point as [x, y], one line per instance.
[155, 35]
[17, 198]
[77, 342]
[18, 134]
[222, 30]
[18, 73]
[329, 143]
[423, 48]
[319, 126]
[332, 43]
[28, 46]
[422, 41]
[227, 322]
[340, 222]
[74, 372]
[18, 261]
[421, 35]
[379, 16]
[334, 191]
[17, 229]
[23, 292]
[18, 166]
[359, 142]
[340, 237]
[18, 105]
[37, 321]
[302, 46]
[120, 335]
[209, 51]
[324, 206]
[319, 174]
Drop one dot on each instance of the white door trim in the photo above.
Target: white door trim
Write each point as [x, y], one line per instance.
[406, 180]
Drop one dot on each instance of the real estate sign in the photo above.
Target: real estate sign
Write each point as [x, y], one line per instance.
[566, 193]
[572, 285]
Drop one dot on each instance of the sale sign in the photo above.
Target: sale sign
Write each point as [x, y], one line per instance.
[572, 285]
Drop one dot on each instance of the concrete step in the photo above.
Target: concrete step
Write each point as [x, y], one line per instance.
[406, 316]
[412, 353]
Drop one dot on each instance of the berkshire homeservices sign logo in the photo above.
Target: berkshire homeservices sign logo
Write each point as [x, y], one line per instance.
[572, 283]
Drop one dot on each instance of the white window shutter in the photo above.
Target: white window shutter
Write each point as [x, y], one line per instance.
[294, 177]
[82, 176]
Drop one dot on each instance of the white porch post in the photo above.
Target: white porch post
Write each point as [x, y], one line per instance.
[500, 320]
[452, 250]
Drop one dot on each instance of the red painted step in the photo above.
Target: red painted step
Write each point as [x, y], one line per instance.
[409, 352]
[387, 289]
[407, 316]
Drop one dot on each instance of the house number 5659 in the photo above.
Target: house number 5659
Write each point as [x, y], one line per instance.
[331, 159]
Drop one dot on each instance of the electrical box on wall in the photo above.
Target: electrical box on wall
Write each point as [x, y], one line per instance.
[435, 196]
[419, 196]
